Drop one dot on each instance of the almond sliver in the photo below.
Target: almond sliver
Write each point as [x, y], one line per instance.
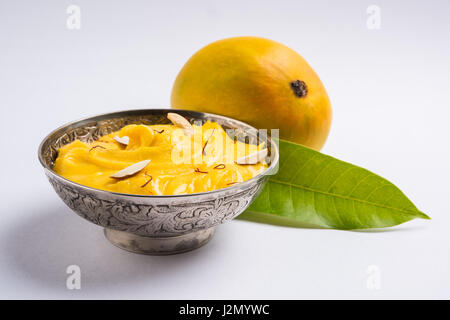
[128, 171]
[181, 122]
[123, 140]
[253, 158]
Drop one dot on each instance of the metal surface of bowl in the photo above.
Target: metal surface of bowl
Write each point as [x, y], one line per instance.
[151, 224]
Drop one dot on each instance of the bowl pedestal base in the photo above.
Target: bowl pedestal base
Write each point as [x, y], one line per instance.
[158, 245]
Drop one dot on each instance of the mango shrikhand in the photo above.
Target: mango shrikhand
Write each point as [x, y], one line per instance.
[162, 159]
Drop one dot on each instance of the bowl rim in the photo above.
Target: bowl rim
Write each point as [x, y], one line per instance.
[109, 115]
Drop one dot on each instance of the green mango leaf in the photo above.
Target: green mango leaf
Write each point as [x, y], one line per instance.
[312, 189]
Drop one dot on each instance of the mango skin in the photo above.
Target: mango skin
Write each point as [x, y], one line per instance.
[249, 79]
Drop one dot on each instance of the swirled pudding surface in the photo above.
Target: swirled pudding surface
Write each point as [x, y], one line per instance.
[177, 163]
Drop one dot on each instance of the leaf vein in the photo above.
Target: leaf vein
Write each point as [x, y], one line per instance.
[359, 182]
[321, 172]
[346, 197]
[303, 166]
[339, 177]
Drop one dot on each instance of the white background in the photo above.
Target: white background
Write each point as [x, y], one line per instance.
[389, 90]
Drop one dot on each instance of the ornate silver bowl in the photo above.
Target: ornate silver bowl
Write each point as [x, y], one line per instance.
[156, 225]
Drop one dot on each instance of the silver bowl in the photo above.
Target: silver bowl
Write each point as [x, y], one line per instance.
[156, 225]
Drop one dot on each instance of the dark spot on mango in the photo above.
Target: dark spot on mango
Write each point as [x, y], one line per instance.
[299, 88]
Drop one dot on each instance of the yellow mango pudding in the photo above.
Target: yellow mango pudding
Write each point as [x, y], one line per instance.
[162, 159]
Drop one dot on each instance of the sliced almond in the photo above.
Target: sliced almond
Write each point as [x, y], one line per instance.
[181, 122]
[123, 140]
[253, 158]
[128, 171]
